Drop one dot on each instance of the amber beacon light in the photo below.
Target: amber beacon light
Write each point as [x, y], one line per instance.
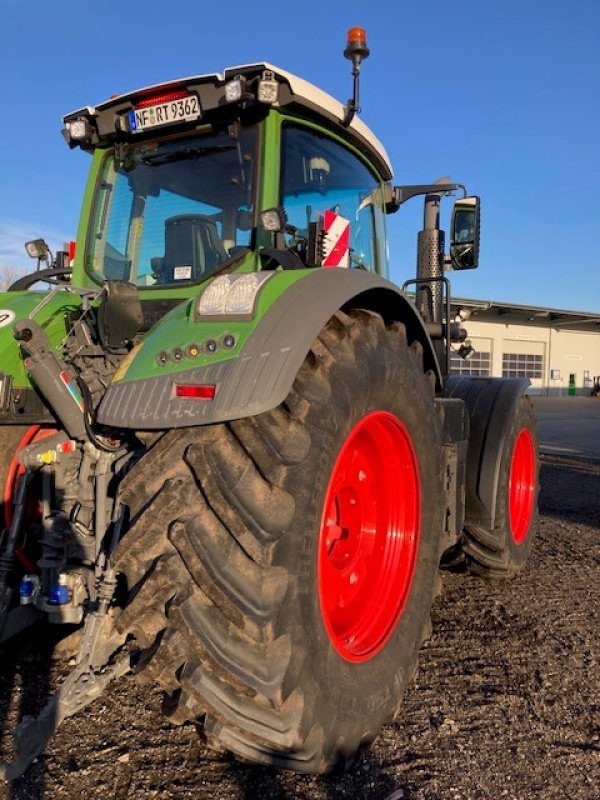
[356, 50]
[356, 44]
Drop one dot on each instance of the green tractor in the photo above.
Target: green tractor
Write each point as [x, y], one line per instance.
[231, 449]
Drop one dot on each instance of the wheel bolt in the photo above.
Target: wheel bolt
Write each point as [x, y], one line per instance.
[353, 578]
[361, 475]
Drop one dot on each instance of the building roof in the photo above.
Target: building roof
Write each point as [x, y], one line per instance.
[516, 314]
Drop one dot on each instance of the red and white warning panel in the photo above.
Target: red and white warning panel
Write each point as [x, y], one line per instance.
[336, 240]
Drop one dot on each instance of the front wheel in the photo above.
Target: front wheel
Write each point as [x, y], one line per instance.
[502, 551]
[282, 567]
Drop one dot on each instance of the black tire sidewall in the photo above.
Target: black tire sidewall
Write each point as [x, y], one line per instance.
[365, 693]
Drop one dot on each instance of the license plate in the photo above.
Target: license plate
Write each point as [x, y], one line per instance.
[185, 109]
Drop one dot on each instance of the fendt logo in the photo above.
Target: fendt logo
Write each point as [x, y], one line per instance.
[6, 317]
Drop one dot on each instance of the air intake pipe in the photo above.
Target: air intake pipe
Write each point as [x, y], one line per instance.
[430, 260]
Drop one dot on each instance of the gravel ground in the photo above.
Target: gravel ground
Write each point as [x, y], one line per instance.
[506, 704]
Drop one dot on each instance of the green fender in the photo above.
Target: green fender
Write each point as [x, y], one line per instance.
[260, 377]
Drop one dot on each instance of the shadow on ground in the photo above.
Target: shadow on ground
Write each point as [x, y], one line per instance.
[570, 489]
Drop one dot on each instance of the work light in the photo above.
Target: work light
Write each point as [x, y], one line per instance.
[231, 295]
[78, 130]
[235, 89]
[268, 88]
[37, 248]
[273, 219]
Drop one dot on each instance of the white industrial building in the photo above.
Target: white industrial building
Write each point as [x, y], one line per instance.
[559, 351]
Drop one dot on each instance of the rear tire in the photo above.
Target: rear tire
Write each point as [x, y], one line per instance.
[226, 555]
[503, 551]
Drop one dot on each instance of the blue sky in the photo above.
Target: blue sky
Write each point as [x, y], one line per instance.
[500, 95]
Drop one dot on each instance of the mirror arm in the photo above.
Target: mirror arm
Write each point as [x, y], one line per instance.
[400, 194]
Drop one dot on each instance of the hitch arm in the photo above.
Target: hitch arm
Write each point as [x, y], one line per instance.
[82, 686]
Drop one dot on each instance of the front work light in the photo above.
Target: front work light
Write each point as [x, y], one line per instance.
[231, 295]
[78, 131]
[273, 219]
[268, 88]
[235, 89]
[37, 248]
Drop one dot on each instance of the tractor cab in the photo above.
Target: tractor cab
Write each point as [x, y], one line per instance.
[182, 171]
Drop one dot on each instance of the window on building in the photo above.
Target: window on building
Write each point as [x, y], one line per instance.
[479, 363]
[522, 365]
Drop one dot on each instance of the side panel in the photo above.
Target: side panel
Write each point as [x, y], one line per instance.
[261, 376]
[491, 403]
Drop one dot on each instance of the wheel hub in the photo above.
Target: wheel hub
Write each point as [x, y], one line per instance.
[369, 536]
[521, 491]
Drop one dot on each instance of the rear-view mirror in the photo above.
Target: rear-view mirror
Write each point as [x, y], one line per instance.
[464, 234]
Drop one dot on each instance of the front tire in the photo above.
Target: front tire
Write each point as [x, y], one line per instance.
[281, 568]
[502, 552]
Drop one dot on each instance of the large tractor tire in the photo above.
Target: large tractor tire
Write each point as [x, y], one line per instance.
[281, 568]
[501, 552]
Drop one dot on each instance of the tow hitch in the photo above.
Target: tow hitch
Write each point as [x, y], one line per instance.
[100, 660]
[102, 655]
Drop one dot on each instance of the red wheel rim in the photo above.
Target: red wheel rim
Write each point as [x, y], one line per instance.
[369, 536]
[521, 487]
[15, 470]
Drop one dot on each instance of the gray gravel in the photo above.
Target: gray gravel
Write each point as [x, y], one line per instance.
[506, 704]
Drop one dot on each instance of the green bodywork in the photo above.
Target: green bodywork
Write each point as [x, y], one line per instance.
[51, 316]
[178, 330]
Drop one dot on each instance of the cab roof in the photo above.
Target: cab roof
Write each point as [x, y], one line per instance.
[294, 93]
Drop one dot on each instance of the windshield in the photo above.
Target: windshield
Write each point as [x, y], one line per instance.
[174, 211]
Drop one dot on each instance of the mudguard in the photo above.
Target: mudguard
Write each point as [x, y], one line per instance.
[261, 376]
[491, 403]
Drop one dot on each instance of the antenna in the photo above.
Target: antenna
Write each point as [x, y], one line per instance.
[356, 50]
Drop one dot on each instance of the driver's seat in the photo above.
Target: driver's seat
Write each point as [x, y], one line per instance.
[192, 241]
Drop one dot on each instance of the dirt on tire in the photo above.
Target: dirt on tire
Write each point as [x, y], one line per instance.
[506, 703]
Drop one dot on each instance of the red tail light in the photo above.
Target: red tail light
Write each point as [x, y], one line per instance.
[164, 97]
[195, 391]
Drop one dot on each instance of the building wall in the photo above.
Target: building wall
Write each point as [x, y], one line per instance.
[552, 358]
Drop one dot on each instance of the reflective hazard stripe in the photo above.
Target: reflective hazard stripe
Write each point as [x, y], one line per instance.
[336, 240]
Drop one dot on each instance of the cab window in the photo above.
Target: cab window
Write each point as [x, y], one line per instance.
[318, 175]
[175, 210]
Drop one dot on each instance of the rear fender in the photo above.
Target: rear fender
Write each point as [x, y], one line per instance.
[491, 403]
[261, 376]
